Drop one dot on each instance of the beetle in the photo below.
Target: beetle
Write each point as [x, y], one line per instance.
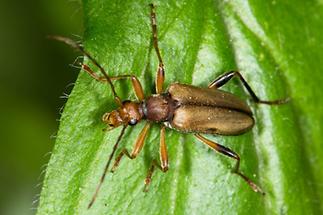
[182, 107]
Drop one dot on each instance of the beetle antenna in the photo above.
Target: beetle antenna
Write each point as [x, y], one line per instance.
[107, 167]
[79, 47]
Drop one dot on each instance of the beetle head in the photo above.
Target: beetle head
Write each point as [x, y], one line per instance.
[113, 119]
[129, 114]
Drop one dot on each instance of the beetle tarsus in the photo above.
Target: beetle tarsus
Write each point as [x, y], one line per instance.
[251, 184]
[274, 102]
[151, 170]
[228, 152]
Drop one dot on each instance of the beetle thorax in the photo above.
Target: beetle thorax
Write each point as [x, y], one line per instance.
[159, 108]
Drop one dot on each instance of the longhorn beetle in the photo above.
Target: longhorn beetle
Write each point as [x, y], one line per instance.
[185, 108]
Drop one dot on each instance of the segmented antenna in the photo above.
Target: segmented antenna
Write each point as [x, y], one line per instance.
[79, 47]
[106, 167]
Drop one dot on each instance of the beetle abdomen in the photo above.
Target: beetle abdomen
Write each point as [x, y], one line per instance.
[210, 120]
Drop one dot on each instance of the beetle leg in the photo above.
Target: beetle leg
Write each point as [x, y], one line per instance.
[163, 159]
[137, 148]
[135, 85]
[163, 150]
[150, 173]
[223, 79]
[160, 77]
[134, 81]
[228, 152]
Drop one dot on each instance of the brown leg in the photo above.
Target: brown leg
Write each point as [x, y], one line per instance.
[134, 80]
[160, 77]
[228, 152]
[137, 148]
[163, 160]
[223, 79]
[163, 150]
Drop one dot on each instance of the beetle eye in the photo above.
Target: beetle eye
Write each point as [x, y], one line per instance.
[132, 121]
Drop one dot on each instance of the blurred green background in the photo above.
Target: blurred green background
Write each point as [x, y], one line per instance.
[34, 74]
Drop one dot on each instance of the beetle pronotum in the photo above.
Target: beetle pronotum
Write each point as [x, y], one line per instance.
[182, 107]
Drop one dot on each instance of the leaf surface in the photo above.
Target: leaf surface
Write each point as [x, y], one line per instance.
[277, 47]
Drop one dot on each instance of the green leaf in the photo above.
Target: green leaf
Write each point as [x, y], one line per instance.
[277, 46]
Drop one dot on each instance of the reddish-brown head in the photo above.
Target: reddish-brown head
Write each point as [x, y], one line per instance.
[129, 114]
